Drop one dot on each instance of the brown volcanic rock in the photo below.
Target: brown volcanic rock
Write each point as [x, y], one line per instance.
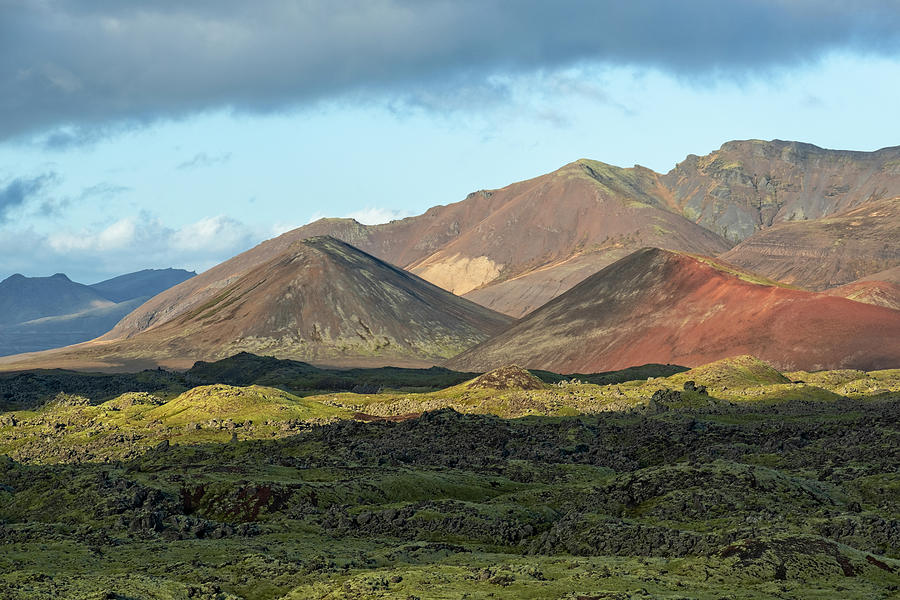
[320, 300]
[581, 212]
[656, 306]
[880, 289]
[549, 233]
[827, 252]
[750, 185]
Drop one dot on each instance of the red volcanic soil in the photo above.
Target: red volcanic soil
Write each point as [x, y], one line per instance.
[656, 306]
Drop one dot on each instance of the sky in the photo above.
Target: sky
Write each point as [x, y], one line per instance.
[154, 134]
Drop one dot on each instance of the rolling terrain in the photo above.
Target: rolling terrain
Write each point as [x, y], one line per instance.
[881, 289]
[666, 307]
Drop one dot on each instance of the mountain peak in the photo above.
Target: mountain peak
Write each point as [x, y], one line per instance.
[325, 301]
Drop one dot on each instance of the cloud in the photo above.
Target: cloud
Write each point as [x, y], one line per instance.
[203, 159]
[212, 234]
[376, 216]
[78, 69]
[16, 193]
[127, 244]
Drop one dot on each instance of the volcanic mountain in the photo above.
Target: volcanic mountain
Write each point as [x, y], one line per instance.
[515, 248]
[827, 252]
[510, 249]
[320, 300]
[667, 307]
[26, 298]
[750, 185]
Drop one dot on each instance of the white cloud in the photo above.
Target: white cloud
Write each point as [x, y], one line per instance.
[118, 235]
[128, 244]
[142, 241]
[211, 234]
[375, 216]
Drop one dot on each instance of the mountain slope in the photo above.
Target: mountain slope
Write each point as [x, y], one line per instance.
[141, 284]
[752, 184]
[549, 233]
[320, 300]
[515, 248]
[828, 252]
[880, 289]
[665, 307]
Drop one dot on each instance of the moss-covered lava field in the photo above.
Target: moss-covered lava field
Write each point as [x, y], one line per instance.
[263, 479]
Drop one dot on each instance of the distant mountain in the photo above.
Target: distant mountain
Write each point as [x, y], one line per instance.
[39, 313]
[63, 330]
[826, 252]
[813, 217]
[749, 185]
[667, 307]
[320, 300]
[26, 298]
[141, 284]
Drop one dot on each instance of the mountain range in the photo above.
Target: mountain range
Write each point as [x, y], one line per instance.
[37, 313]
[659, 306]
[778, 249]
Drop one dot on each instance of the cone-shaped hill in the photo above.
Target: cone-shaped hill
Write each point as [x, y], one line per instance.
[666, 307]
[511, 377]
[321, 300]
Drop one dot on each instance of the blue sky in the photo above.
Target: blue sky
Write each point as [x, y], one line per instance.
[187, 162]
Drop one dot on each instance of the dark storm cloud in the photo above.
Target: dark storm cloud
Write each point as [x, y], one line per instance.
[85, 64]
[16, 193]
